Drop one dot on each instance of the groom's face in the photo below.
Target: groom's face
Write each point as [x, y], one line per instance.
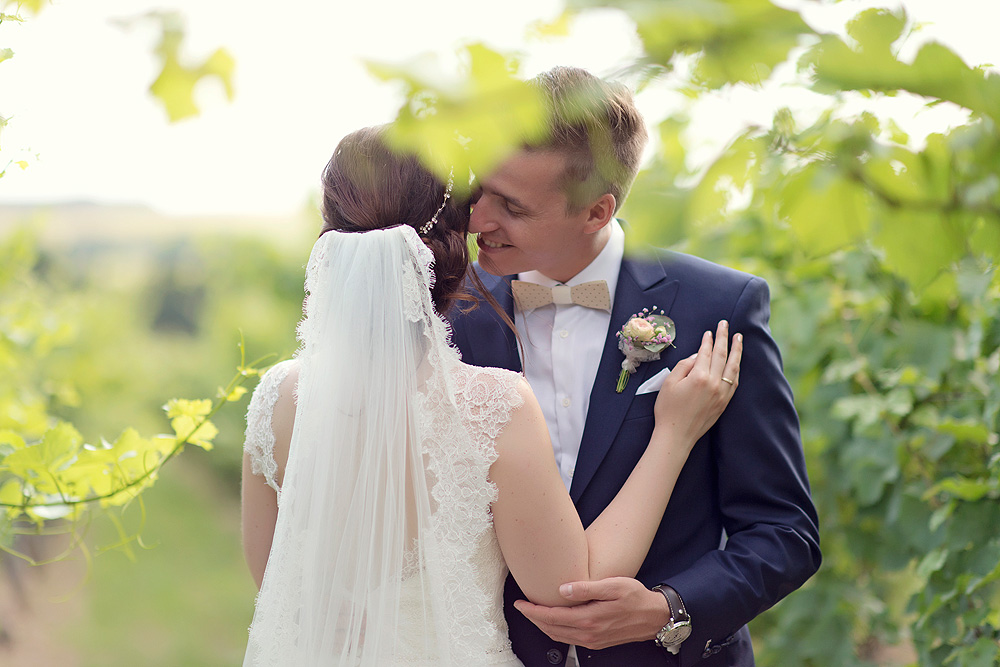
[523, 220]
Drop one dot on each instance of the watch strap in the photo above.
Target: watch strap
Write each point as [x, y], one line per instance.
[678, 613]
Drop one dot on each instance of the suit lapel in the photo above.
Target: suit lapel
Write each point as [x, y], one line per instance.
[500, 344]
[640, 285]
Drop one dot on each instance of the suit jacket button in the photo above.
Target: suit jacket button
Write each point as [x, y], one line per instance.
[554, 656]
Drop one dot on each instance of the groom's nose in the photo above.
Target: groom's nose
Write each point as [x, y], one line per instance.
[480, 219]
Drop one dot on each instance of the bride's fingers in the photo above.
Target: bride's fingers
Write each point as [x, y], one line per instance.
[704, 361]
[719, 353]
[732, 370]
[682, 368]
[680, 371]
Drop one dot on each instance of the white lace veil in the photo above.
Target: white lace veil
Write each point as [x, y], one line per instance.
[353, 550]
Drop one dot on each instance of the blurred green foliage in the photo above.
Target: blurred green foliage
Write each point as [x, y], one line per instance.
[51, 478]
[97, 333]
[94, 336]
[80, 351]
[190, 597]
[881, 250]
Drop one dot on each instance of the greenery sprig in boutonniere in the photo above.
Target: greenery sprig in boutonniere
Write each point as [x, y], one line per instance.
[643, 337]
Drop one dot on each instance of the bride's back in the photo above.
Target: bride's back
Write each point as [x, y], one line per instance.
[460, 559]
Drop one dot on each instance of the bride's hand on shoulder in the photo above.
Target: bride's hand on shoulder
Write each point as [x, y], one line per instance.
[698, 389]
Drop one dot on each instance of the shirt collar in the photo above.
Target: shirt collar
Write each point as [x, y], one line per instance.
[606, 266]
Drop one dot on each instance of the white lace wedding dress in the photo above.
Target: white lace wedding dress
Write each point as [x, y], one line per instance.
[469, 555]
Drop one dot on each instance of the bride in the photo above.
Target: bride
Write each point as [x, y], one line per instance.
[387, 486]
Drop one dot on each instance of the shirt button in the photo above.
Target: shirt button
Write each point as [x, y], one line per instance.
[554, 656]
[563, 333]
[566, 402]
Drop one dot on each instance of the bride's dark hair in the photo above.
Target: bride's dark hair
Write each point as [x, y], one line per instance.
[367, 185]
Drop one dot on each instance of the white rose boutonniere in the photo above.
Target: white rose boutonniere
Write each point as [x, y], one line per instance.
[643, 337]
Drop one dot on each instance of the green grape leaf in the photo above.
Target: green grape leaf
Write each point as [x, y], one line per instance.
[186, 415]
[730, 173]
[177, 79]
[936, 71]
[901, 175]
[236, 394]
[90, 474]
[985, 652]
[877, 29]
[188, 429]
[41, 463]
[826, 211]
[963, 488]
[985, 235]
[10, 442]
[737, 40]
[919, 244]
[10, 500]
[174, 87]
[176, 407]
[557, 27]
[134, 466]
[33, 6]
[982, 192]
[932, 562]
[968, 431]
[467, 125]
[222, 66]
[896, 133]
[672, 152]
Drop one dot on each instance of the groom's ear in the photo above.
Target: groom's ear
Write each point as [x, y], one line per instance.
[600, 213]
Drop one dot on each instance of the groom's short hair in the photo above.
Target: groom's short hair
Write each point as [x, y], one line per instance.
[598, 128]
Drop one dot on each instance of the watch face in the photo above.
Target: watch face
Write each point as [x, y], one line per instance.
[674, 634]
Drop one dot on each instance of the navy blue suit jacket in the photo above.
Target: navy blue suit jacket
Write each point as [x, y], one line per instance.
[740, 531]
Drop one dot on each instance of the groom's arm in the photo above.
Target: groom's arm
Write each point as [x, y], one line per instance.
[773, 540]
[763, 493]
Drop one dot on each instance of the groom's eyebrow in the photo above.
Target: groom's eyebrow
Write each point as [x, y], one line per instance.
[513, 200]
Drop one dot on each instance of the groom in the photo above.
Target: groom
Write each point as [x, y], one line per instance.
[740, 531]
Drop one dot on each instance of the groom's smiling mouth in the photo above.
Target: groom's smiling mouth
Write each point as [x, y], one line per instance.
[491, 244]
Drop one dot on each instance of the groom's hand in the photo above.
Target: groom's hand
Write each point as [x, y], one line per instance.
[614, 611]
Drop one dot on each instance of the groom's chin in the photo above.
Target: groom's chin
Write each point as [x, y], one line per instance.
[487, 264]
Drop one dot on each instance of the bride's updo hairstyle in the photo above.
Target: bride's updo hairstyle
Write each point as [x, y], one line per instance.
[367, 186]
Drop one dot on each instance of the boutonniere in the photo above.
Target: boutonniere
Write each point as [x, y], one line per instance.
[643, 337]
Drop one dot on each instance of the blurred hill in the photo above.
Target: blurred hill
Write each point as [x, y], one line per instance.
[75, 223]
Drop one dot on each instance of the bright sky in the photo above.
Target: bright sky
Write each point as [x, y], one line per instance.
[75, 91]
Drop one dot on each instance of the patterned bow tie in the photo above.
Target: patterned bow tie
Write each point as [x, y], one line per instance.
[593, 294]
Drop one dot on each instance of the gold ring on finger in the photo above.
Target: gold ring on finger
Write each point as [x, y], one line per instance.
[727, 380]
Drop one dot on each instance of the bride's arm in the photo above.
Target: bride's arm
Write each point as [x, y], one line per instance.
[259, 506]
[540, 533]
[259, 502]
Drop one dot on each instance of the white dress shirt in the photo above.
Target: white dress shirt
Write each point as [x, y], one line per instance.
[562, 350]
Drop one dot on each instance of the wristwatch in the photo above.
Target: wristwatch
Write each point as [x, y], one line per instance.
[678, 628]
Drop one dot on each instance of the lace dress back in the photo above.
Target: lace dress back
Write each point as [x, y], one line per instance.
[457, 455]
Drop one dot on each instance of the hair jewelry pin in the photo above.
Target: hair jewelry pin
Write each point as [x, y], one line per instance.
[429, 225]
